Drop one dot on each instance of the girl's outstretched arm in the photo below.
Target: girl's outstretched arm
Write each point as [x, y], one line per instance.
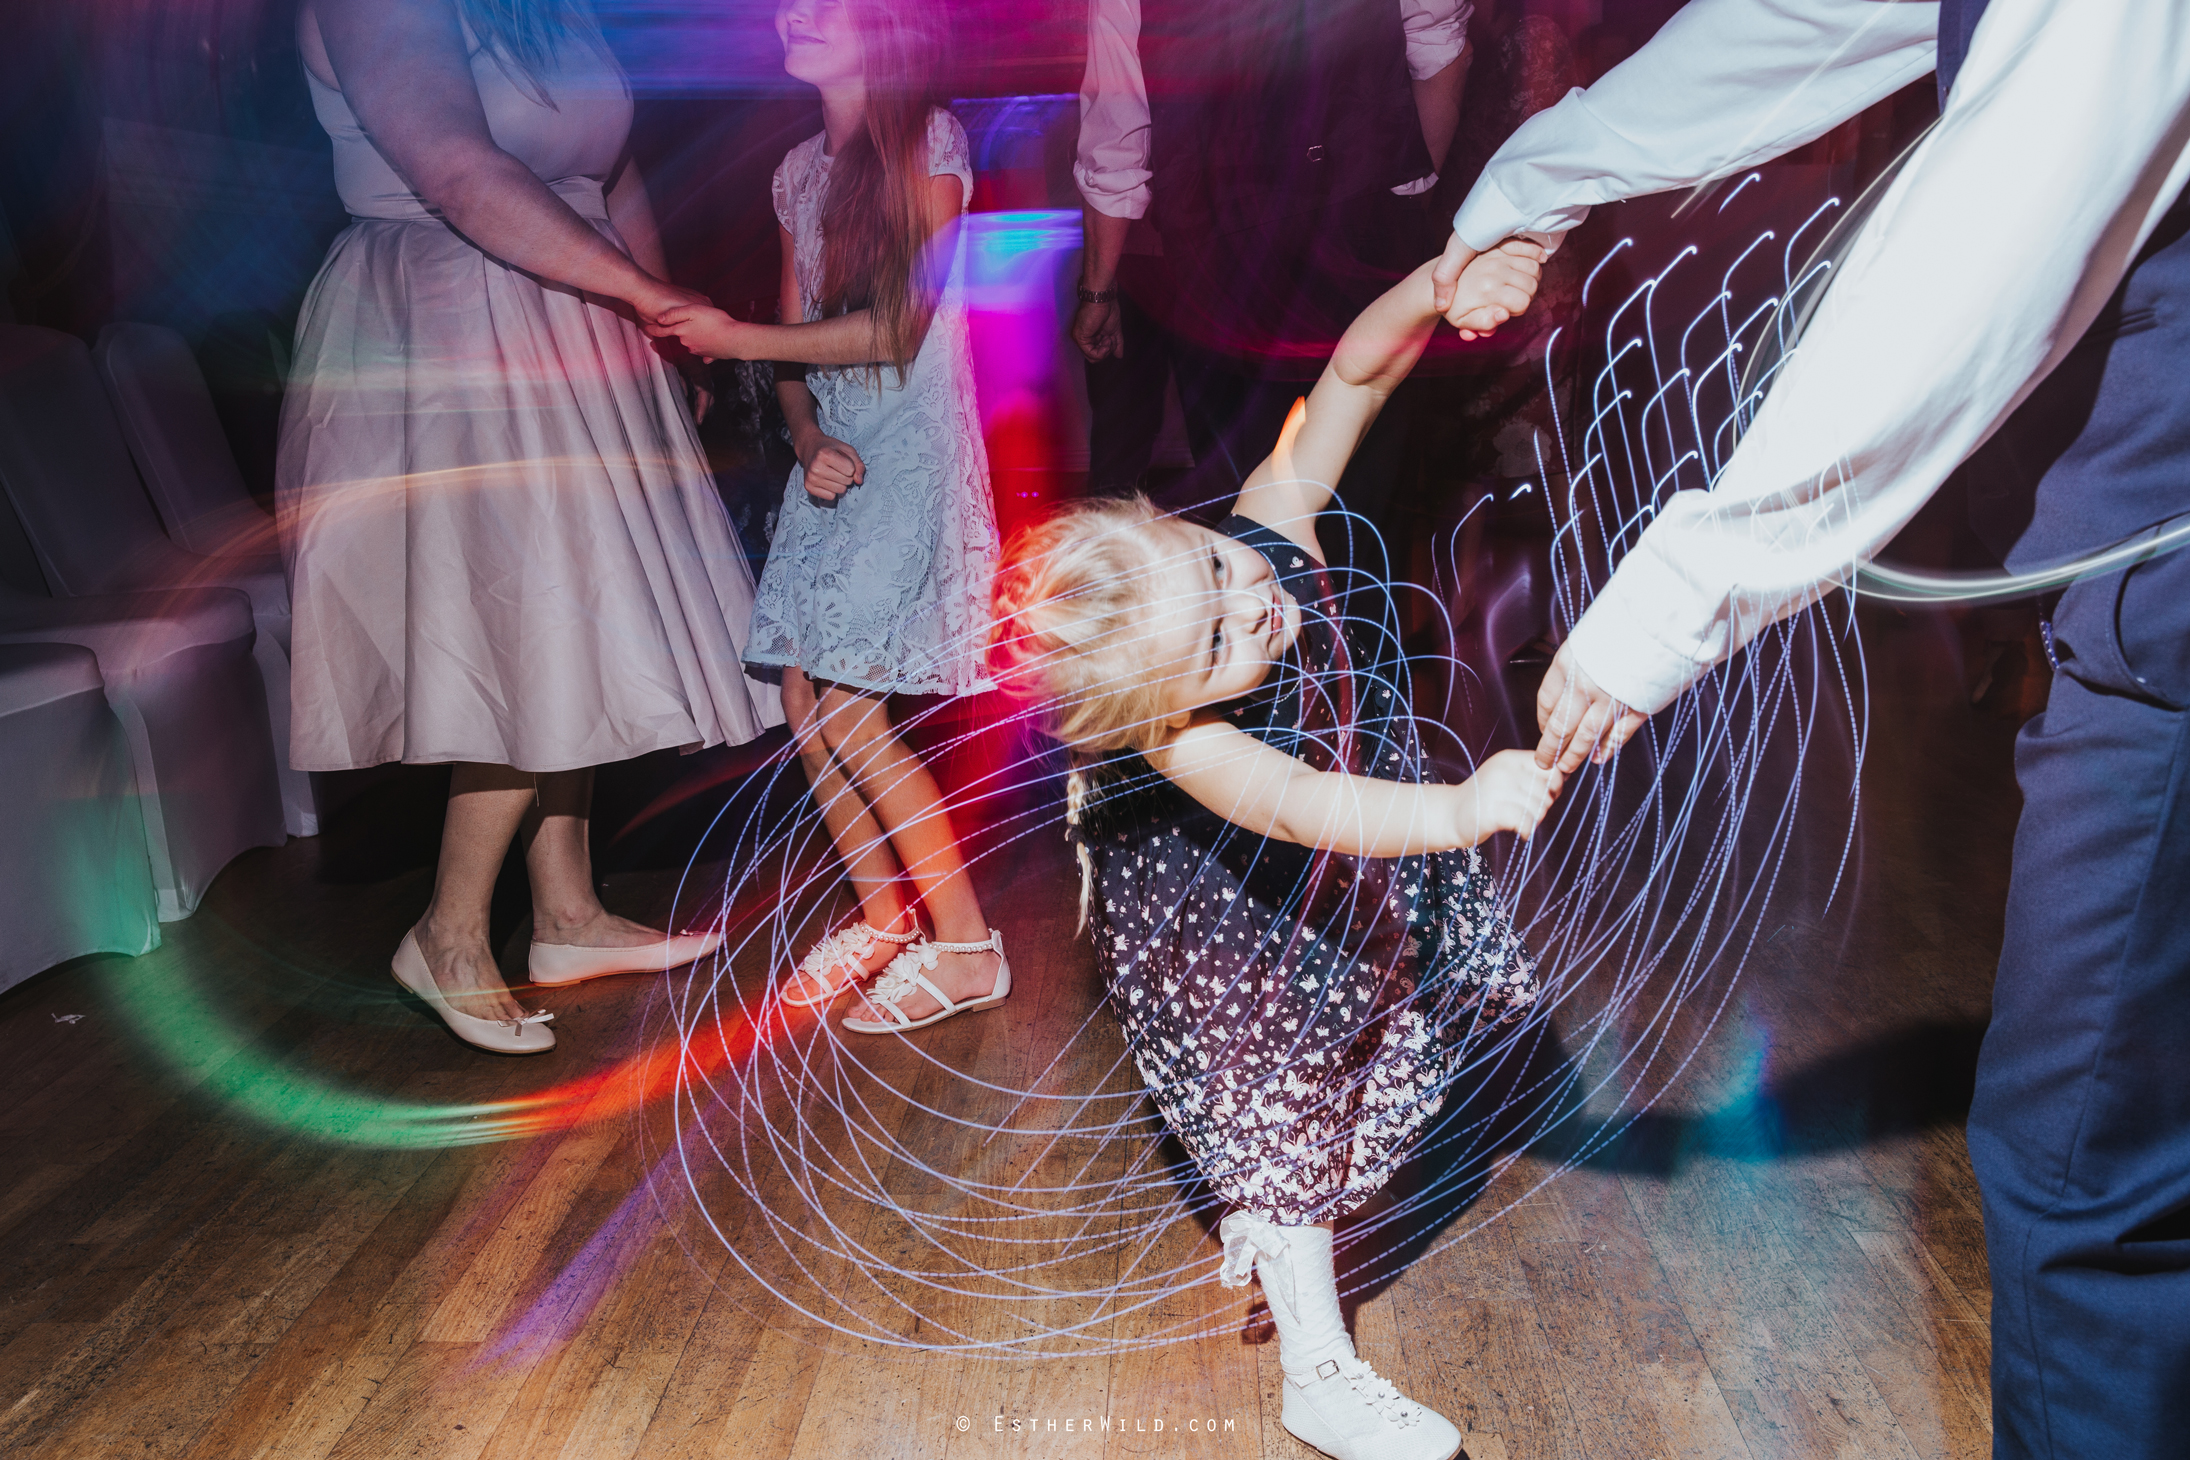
[1269, 792]
[1296, 480]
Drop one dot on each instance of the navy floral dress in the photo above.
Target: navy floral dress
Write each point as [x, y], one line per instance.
[1295, 1013]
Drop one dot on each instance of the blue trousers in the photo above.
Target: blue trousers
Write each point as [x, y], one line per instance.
[2080, 1130]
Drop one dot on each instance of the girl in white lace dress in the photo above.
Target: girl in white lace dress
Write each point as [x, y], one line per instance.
[878, 577]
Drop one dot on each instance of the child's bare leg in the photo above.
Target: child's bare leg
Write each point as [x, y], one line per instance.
[901, 792]
[860, 842]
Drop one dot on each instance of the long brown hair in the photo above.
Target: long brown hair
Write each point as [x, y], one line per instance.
[874, 223]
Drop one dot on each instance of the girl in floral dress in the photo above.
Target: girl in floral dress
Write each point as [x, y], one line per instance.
[1295, 929]
[878, 576]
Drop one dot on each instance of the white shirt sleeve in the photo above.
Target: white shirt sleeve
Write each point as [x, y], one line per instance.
[1112, 166]
[1723, 85]
[2062, 144]
[1437, 31]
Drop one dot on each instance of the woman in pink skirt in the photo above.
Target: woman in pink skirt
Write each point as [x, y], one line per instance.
[504, 546]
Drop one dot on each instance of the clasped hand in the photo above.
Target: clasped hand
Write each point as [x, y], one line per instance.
[1477, 292]
[1508, 792]
[833, 467]
[700, 327]
[1580, 720]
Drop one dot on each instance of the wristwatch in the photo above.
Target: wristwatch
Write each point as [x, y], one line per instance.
[1098, 296]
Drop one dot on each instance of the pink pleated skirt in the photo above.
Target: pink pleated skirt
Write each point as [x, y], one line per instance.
[503, 541]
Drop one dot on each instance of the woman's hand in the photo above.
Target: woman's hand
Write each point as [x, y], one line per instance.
[706, 331]
[699, 389]
[1508, 792]
[652, 299]
[833, 467]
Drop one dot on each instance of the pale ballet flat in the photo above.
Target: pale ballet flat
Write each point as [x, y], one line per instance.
[529, 1035]
[836, 963]
[909, 971]
[550, 964]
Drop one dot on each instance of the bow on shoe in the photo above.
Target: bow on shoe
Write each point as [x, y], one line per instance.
[517, 1026]
[1245, 1234]
[1380, 1395]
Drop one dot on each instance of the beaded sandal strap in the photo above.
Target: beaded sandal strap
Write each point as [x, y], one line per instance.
[898, 938]
[993, 943]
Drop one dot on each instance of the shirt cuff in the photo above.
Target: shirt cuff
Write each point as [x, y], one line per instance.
[1488, 217]
[1110, 200]
[1613, 647]
[1434, 44]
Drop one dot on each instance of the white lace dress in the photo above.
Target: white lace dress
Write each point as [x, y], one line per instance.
[888, 587]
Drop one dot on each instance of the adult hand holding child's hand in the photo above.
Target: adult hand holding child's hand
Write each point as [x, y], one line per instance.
[654, 299]
[1580, 720]
[706, 331]
[1477, 292]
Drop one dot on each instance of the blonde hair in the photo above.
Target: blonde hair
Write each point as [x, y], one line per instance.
[1070, 625]
[1069, 633]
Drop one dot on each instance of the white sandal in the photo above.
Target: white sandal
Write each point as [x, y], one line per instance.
[837, 962]
[529, 1035]
[908, 971]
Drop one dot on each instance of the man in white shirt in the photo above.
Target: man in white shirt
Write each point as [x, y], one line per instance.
[2022, 292]
[1274, 146]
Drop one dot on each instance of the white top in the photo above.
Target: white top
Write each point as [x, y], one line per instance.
[2062, 144]
[1112, 168]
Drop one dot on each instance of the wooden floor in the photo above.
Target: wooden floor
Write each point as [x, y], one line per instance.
[257, 1205]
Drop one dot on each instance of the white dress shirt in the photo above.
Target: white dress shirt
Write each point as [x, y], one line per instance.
[2066, 136]
[1112, 167]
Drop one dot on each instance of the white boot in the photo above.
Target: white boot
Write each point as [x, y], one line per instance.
[1333, 1400]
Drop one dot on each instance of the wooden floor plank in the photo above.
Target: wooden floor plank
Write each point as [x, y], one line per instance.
[438, 1399]
[1473, 1348]
[1784, 1257]
[287, 1405]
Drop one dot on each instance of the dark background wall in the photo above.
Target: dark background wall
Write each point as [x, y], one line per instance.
[161, 161]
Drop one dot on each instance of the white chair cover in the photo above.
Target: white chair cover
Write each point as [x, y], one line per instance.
[94, 529]
[75, 875]
[178, 673]
[175, 435]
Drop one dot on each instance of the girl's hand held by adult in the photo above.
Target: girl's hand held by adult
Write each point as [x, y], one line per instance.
[651, 299]
[1494, 286]
[1508, 792]
[706, 331]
